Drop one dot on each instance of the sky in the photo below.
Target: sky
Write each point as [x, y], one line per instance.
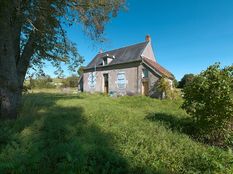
[187, 35]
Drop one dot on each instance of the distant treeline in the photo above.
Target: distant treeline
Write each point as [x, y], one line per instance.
[48, 82]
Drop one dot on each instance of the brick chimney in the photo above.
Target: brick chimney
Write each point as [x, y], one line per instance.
[148, 39]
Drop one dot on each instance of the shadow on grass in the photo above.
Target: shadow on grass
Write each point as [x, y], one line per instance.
[182, 125]
[56, 96]
[57, 140]
[48, 138]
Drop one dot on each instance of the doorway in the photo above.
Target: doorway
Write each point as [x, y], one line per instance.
[105, 83]
[145, 88]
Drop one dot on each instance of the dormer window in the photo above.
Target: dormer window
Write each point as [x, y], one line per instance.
[105, 61]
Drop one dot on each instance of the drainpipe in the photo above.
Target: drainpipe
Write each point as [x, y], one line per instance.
[138, 78]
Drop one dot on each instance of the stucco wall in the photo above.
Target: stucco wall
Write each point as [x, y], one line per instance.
[130, 72]
[148, 52]
[152, 80]
[133, 77]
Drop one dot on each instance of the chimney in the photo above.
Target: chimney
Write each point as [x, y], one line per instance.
[148, 39]
[101, 51]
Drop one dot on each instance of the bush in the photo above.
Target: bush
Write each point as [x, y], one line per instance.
[166, 88]
[71, 81]
[208, 99]
[41, 82]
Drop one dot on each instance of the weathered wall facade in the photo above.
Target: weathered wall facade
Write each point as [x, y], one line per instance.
[152, 79]
[122, 79]
[127, 70]
[125, 79]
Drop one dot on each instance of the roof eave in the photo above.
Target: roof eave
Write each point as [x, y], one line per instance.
[157, 72]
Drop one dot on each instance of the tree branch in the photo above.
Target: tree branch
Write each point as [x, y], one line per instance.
[24, 60]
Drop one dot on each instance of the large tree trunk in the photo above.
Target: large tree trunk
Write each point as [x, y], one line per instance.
[10, 92]
[9, 103]
[9, 86]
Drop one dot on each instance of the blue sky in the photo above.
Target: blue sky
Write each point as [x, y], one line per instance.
[187, 35]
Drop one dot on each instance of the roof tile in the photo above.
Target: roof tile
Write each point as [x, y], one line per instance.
[158, 68]
[122, 55]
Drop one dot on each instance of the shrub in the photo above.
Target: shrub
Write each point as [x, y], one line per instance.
[166, 88]
[208, 99]
[41, 82]
[71, 81]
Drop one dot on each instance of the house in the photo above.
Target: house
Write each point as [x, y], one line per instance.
[129, 70]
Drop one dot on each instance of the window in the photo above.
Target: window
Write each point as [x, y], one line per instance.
[92, 79]
[121, 80]
[105, 61]
[145, 73]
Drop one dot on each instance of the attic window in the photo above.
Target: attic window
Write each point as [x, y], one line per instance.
[105, 61]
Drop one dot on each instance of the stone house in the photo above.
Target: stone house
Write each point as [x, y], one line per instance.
[130, 70]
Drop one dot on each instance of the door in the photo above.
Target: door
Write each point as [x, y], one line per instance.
[145, 88]
[105, 83]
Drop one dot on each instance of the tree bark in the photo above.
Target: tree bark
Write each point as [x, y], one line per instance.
[9, 87]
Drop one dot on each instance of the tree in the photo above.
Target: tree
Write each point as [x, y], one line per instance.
[209, 100]
[175, 83]
[80, 71]
[33, 31]
[44, 82]
[187, 78]
[71, 81]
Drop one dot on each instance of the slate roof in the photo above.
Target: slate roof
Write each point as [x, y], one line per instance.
[128, 54]
[122, 55]
[158, 68]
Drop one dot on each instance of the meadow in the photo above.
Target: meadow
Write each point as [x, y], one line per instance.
[83, 133]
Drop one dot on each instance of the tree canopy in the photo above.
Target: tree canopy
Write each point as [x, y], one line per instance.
[32, 31]
[186, 79]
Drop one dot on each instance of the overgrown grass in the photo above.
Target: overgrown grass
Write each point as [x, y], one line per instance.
[61, 133]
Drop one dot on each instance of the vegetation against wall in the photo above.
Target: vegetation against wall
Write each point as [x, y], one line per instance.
[166, 88]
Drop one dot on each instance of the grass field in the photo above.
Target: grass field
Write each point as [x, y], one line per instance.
[82, 133]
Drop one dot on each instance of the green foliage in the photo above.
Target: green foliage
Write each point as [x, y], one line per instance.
[185, 80]
[166, 89]
[41, 82]
[175, 83]
[71, 81]
[58, 133]
[43, 23]
[48, 82]
[34, 32]
[208, 99]
[80, 71]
